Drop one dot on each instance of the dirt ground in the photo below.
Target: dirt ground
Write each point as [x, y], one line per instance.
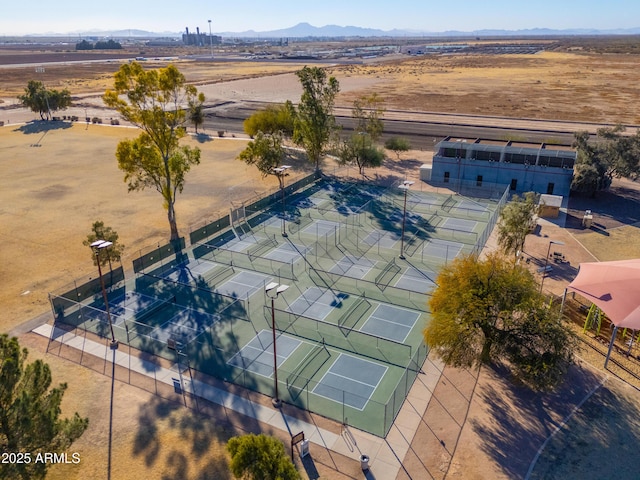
[54, 182]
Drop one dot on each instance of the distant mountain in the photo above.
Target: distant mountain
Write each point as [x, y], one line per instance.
[303, 30]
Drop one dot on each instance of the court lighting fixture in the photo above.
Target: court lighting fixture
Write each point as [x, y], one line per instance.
[546, 261]
[404, 186]
[272, 290]
[210, 40]
[97, 246]
[281, 172]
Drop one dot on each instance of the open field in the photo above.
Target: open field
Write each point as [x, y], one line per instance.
[55, 182]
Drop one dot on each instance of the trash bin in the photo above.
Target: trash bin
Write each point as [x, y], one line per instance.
[364, 462]
[304, 448]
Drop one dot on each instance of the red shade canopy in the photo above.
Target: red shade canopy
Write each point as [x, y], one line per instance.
[614, 287]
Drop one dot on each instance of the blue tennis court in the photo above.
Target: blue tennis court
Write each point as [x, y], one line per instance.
[185, 326]
[416, 280]
[350, 380]
[315, 303]
[320, 228]
[257, 355]
[460, 224]
[471, 206]
[239, 245]
[243, 285]
[382, 238]
[288, 253]
[188, 271]
[391, 322]
[350, 266]
[124, 307]
[442, 249]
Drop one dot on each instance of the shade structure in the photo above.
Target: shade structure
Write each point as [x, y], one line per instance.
[614, 287]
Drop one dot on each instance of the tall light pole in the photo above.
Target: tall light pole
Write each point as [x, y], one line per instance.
[210, 39]
[405, 186]
[546, 261]
[272, 290]
[97, 246]
[281, 172]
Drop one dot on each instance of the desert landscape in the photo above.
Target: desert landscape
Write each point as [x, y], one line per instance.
[56, 179]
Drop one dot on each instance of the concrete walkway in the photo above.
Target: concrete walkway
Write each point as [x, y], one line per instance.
[385, 454]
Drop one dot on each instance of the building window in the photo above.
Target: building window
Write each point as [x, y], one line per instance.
[446, 177]
[479, 181]
[550, 188]
[514, 184]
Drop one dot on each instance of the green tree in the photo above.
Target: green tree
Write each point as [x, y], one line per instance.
[486, 311]
[272, 119]
[30, 411]
[265, 151]
[358, 150]
[42, 101]
[367, 112]
[196, 110]
[517, 220]
[105, 255]
[260, 457]
[152, 100]
[397, 145]
[315, 126]
[613, 154]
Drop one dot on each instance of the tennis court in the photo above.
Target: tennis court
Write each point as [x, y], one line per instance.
[187, 272]
[391, 322]
[349, 327]
[445, 249]
[316, 303]
[384, 239]
[459, 224]
[185, 326]
[320, 228]
[257, 355]
[350, 266]
[243, 285]
[350, 380]
[287, 253]
[124, 307]
[236, 244]
[416, 280]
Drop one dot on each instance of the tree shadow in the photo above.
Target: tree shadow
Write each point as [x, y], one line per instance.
[599, 441]
[518, 420]
[42, 126]
[203, 137]
[197, 434]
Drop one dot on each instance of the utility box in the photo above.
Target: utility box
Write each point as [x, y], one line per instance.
[587, 219]
[425, 172]
[304, 448]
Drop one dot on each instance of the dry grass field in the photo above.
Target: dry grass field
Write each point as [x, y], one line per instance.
[54, 182]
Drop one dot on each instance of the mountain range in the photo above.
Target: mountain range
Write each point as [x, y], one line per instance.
[304, 30]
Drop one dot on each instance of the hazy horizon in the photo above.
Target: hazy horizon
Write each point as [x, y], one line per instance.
[68, 17]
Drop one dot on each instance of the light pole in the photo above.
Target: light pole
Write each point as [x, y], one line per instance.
[405, 186]
[210, 40]
[546, 261]
[97, 246]
[281, 172]
[272, 290]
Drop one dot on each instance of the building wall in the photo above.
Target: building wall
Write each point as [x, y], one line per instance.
[527, 177]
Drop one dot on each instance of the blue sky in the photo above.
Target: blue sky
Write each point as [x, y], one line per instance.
[68, 16]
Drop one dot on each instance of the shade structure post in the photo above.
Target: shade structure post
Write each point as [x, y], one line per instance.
[613, 339]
